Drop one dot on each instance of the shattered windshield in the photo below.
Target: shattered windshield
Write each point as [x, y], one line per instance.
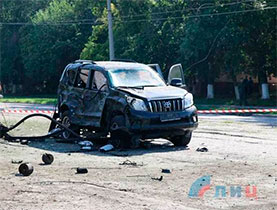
[137, 77]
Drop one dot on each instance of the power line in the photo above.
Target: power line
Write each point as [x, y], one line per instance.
[196, 16]
[87, 21]
[191, 9]
[78, 22]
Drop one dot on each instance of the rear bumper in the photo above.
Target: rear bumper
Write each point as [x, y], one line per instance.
[149, 122]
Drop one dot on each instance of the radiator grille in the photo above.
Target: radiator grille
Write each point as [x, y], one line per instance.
[170, 105]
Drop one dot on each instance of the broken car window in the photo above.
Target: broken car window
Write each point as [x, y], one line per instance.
[82, 78]
[98, 81]
[139, 77]
[71, 76]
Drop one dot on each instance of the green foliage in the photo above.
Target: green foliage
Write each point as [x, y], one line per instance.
[53, 41]
[208, 37]
[12, 69]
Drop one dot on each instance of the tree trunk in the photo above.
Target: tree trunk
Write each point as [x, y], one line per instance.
[13, 88]
[265, 91]
[237, 92]
[210, 87]
[210, 91]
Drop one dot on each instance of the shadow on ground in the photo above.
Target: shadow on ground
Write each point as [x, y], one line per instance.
[157, 146]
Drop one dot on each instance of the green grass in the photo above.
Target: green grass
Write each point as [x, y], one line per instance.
[221, 103]
[30, 99]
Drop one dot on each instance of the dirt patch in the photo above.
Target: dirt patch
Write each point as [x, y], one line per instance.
[234, 158]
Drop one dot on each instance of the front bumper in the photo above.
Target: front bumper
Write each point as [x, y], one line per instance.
[140, 121]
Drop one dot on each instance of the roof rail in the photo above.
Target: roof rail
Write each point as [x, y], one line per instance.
[84, 61]
[124, 60]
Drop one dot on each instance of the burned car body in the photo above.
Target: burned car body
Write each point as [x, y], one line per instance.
[128, 100]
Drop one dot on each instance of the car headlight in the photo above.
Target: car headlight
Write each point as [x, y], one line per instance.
[188, 101]
[136, 104]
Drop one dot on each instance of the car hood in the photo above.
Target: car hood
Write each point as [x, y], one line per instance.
[165, 92]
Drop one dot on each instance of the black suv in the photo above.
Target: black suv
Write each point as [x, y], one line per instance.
[127, 100]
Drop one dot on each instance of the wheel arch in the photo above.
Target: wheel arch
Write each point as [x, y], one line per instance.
[113, 107]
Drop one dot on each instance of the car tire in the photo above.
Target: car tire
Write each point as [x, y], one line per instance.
[119, 137]
[66, 121]
[182, 140]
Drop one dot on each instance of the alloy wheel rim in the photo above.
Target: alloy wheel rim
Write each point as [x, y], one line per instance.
[66, 123]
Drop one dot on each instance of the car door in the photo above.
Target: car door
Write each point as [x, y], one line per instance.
[76, 92]
[94, 98]
[176, 72]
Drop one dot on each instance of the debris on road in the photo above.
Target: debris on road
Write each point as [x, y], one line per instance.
[47, 158]
[24, 142]
[106, 148]
[130, 163]
[166, 171]
[85, 143]
[203, 149]
[16, 161]
[158, 179]
[26, 169]
[82, 170]
[86, 148]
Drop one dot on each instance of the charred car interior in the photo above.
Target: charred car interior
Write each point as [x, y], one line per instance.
[127, 101]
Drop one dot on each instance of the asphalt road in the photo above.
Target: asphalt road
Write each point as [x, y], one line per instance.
[241, 153]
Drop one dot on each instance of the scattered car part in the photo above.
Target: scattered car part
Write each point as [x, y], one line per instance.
[106, 148]
[55, 130]
[86, 148]
[82, 170]
[47, 158]
[16, 161]
[203, 149]
[167, 171]
[85, 143]
[24, 142]
[130, 163]
[26, 169]
[4, 130]
[158, 179]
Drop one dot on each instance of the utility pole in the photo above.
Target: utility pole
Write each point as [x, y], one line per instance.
[110, 25]
[1, 19]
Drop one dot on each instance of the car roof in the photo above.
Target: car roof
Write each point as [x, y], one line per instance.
[106, 65]
[110, 65]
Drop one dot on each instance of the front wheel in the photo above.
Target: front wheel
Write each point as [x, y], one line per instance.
[120, 138]
[182, 140]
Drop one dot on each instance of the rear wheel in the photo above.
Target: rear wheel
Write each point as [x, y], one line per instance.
[66, 121]
[182, 140]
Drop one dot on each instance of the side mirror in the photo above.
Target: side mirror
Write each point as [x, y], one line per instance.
[177, 82]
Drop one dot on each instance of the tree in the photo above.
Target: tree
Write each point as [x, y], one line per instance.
[13, 15]
[55, 38]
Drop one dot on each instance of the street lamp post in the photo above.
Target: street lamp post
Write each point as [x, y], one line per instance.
[110, 27]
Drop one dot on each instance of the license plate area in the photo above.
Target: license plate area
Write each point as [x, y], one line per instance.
[170, 117]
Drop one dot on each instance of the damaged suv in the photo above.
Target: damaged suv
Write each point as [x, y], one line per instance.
[127, 100]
